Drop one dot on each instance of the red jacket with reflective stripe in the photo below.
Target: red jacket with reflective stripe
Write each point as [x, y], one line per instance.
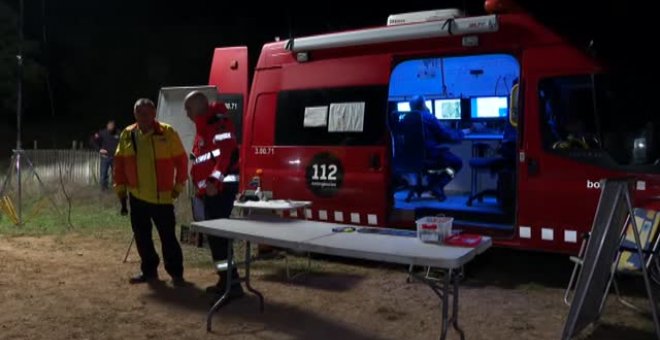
[215, 149]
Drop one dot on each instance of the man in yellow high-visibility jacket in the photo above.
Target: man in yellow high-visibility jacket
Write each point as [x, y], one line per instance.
[150, 170]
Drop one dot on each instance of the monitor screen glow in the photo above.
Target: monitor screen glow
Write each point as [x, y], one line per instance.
[448, 109]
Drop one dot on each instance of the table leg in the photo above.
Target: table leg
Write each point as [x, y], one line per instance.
[218, 304]
[454, 316]
[248, 260]
[443, 289]
[445, 304]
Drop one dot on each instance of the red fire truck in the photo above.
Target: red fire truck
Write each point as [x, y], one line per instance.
[322, 121]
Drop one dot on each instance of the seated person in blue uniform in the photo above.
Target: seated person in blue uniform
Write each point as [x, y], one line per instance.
[437, 153]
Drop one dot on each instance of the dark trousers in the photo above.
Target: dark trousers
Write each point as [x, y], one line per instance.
[142, 213]
[444, 159]
[106, 167]
[215, 207]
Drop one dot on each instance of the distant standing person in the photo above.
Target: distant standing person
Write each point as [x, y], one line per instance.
[105, 141]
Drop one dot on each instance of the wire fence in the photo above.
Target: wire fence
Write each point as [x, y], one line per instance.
[80, 167]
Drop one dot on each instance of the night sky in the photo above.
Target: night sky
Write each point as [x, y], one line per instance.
[99, 56]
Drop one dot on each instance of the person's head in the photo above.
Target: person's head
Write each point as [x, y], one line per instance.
[196, 104]
[418, 103]
[144, 111]
[110, 125]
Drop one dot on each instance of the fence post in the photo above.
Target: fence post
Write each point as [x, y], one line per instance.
[35, 144]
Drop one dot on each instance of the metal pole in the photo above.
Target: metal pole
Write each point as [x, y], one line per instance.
[19, 194]
[19, 84]
[19, 109]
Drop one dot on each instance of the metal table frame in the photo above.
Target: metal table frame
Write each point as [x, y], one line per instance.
[245, 211]
[246, 279]
[443, 288]
[447, 285]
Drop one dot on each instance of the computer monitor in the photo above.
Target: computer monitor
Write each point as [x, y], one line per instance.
[405, 106]
[489, 107]
[448, 109]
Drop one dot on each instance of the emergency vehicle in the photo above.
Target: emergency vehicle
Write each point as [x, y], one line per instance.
[319, 123]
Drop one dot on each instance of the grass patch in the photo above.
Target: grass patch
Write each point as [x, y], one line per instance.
[42, 218]
[93, 214]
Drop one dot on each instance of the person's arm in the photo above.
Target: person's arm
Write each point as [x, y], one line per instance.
[95, 141]
[440, 133]
[124, 151]
[180, 159]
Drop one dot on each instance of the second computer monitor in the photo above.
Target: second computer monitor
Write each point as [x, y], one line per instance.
[448, 109]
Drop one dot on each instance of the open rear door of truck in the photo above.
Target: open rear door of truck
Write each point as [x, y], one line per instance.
[229, 74]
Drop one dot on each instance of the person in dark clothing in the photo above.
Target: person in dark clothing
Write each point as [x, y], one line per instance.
[105, 141]
[436, 139]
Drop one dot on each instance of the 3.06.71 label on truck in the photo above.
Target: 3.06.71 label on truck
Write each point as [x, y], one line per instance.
[264, 150]
[324, 174]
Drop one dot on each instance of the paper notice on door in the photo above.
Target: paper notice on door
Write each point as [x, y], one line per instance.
[316, 116]
[346, 117]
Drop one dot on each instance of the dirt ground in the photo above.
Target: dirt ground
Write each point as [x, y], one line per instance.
[75, 287]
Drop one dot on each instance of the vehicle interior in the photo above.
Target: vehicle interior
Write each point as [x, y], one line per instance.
[455, 154]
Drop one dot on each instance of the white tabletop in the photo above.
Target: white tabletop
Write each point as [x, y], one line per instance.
[396, 249]
[275, 231]
[318, 237]
[273, 204]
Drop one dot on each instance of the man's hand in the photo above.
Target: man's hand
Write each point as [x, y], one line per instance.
[211, 189]
[103, 151]
[175, 194]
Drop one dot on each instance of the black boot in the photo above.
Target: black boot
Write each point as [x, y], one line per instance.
[437, 185]
[142, 278]
[218, 289]
[236, 290]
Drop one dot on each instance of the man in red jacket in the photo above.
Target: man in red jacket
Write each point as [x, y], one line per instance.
[215, 174]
